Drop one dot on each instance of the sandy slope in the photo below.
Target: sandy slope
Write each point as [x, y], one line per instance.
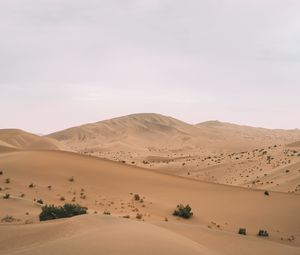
[219, 210]
[16, 138]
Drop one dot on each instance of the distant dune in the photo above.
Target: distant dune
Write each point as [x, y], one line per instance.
[19, 139]
[213, 151]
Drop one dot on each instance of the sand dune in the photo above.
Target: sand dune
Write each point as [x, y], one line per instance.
[16, 138]
[212, 151]
[219, 210]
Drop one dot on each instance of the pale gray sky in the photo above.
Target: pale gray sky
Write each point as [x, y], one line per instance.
[68, 62]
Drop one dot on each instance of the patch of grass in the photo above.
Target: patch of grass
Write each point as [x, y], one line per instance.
[183, 211]
[50, 212]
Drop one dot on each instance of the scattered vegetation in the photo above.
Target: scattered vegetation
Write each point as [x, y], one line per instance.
[62, 199]
[31, 185]
[183, 211]
[9, 219]
[137, 197]
[266, 193]
[242, 231]
[7, 180]
[71, 179]
[50, 212]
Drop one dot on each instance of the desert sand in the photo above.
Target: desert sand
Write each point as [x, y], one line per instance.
[221, 170]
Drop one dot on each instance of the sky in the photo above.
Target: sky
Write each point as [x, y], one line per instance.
[68, 62]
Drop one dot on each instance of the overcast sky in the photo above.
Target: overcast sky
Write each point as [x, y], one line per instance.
[68, 62]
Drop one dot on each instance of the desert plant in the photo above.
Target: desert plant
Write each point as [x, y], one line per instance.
[40, 201]
[6, 196]
[1, 172]
[266, 193]
[183, 211]
[31, 185]
[139, 216]
[50, 212]
[263, 233]
[71, 179]
[242, 231]
[137, 197]
[7, 180]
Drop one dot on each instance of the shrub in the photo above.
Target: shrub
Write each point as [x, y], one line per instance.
[183, 211]
[6, 196]
[263, 233]
[139, 216]
[136, 197]
[242, 231]
[71, 179]
[40, 201]
[50, 212]
[1, 172]
[7, 180]
[31, 185]
[266, 193]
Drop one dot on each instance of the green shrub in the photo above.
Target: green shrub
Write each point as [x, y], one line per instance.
[183, 211]
[50, 212]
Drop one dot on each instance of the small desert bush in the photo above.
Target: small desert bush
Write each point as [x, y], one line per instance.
[263, 233]
[137, 197]
[71, 179]
[266, 193]
[40, 201]
[50, 212]
[139, 216]
[1, 172]
[6, 196]
[7, 180]
[183, 211]
[242, 231]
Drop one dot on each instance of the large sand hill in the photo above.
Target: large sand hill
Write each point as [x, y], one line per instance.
[212, 151]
